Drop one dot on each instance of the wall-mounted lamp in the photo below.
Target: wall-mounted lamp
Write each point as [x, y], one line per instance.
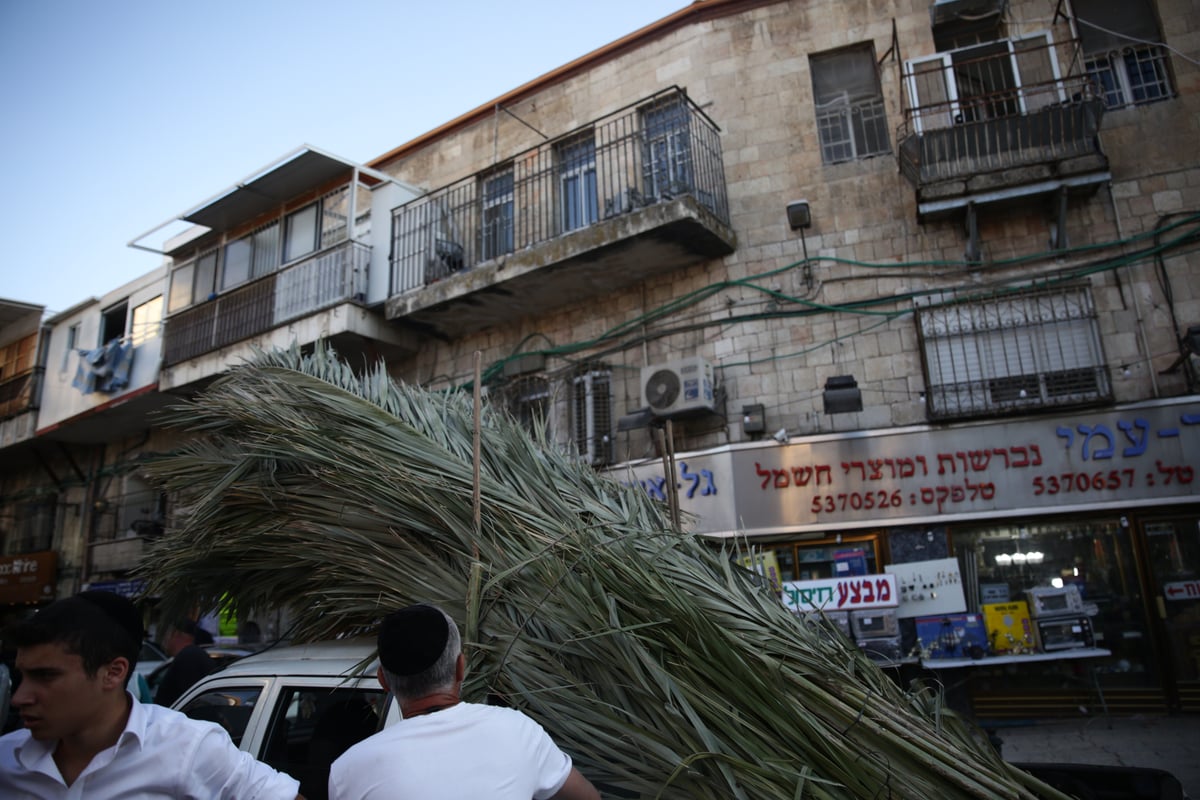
[754, 420]
[781, 436]
[842, 395]
[799, 217]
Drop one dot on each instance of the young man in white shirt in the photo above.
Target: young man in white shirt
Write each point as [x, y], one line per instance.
[86, 736]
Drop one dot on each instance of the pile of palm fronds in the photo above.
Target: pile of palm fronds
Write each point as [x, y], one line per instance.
[662, 667]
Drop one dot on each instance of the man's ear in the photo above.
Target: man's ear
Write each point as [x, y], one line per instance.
[113, 673]
[460, 668]
[382, 677]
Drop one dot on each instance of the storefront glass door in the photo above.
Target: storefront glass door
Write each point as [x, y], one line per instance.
[1173, 561]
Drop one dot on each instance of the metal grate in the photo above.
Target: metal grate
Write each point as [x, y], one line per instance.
[1013, 353]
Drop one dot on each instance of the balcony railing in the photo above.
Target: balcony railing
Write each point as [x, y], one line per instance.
[20, 393]
[994, 114]
[653, 151]
[335, 275]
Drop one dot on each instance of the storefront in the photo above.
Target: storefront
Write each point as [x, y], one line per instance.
[1098, 505]
[26, 582]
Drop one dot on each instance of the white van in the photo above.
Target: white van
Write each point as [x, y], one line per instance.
[296, 708]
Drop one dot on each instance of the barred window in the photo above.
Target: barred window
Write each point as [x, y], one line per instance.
[1120, 39]
[591, 414]
[527, 399]
[851, 122]
[1029, 350]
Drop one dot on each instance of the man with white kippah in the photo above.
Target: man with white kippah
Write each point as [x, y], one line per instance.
[445, 749]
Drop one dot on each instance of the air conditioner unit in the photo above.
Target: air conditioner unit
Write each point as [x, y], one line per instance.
[678, 387]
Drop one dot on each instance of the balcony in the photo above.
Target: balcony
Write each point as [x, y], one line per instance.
[628, 196]
[300, 302]
[998, 128]
[19, 396]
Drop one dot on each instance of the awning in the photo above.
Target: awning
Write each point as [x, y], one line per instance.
[300, 171]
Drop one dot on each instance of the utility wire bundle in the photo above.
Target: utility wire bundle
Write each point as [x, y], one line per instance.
[662, 667]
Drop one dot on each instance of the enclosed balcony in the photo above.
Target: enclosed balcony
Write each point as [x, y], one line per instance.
[628, 196]
[998, 122]
[333, 276]
[284, 257]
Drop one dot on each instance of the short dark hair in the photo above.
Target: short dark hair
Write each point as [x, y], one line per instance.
[96, 626]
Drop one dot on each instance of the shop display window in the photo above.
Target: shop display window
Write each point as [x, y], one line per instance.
[1004, 563]
[833, 557]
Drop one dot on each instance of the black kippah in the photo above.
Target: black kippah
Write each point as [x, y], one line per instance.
[412, 639]
[119, 609]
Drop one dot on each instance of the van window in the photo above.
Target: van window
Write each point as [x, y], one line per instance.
[230, 708]
[311, 726]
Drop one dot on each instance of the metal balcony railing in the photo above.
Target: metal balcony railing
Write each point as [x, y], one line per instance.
[337, 274]
[20, 393]
[652, 151]
[1000, 112]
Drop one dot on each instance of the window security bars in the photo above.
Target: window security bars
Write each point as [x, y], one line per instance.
[1011, 354]
[592, 417]
[1132, 76]
[653, 151]
[851, 121]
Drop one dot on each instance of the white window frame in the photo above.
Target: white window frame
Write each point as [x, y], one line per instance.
[950, 82]
[1115, 63]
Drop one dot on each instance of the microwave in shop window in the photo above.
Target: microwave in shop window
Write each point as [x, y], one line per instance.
[1053, 601]
[876, 623]
[1065, 633]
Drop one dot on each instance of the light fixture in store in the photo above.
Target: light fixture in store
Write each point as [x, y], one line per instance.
[1019, 559]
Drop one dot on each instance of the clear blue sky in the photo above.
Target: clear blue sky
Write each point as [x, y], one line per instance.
[119, 114]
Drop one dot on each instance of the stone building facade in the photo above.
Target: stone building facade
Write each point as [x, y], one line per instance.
[910, 281]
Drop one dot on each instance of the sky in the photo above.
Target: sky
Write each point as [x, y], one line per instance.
[120, 114]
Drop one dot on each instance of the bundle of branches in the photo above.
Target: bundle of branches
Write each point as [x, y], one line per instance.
[664, 669]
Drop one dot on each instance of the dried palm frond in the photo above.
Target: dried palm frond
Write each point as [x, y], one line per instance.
[661, 666]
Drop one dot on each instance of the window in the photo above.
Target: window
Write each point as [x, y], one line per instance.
[592, 419]
[251, 256]
[1031, 350]
[229, 707]
[1118, 41]
[300, 233]
[313, 725]
[497, 233]
[147, 319]
[72, 343]
[667, 157]
[527, 399]
[577, 181]
[851, 123]
[112, 322]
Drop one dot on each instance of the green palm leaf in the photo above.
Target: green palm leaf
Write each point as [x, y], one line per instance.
[661, 667]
